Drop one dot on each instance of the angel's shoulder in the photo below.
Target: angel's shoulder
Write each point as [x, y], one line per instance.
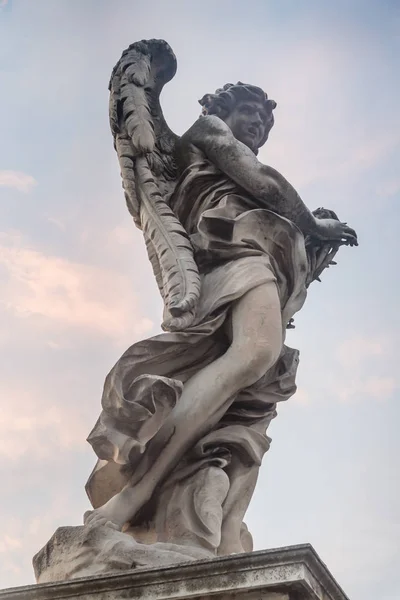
[206, 129]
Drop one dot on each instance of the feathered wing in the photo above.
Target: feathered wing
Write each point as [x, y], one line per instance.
[145, 146]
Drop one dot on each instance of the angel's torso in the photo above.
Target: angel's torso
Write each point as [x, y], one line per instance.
[202, 185]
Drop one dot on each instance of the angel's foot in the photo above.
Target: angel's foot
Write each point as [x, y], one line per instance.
[120, 509]
[96, 518]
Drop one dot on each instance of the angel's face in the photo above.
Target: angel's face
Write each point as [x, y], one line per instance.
[249, 122]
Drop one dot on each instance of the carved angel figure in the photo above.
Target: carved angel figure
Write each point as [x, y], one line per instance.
[183, 428]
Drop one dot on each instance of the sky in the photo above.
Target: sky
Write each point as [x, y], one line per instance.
[77, 288]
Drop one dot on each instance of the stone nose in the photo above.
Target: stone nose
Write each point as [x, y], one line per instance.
[256, 120]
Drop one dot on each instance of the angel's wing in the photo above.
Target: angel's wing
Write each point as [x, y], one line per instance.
[145, 146]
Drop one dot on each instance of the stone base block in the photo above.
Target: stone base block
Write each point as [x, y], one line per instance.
[291, 573]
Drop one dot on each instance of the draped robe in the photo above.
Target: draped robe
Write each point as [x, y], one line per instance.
[238, 246]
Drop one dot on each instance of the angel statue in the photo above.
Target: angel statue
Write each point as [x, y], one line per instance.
[182, 431]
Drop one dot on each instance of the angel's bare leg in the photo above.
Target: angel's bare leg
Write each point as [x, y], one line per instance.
[256, 345]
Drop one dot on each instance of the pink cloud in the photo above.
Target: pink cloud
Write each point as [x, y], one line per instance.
[302, 397]
[8, 543]
[380, 388]
[17, 180]
[353, 351]
[355, 380]
[68, 294]
[377, 387]
[21, 538]
[121, 235]
[33, 424]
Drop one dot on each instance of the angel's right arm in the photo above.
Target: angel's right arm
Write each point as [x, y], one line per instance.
[236, 160]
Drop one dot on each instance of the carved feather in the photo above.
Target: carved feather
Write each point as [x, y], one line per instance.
[136, 63]
[137, 117]
[113, 112]
[127, 165]
[176, 266]
[145, 147]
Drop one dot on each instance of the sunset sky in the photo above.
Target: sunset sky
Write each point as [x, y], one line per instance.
[77, 288]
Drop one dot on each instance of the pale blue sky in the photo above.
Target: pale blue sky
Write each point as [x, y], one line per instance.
[77, 288]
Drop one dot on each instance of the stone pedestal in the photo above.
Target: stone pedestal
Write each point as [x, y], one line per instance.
[292, 573]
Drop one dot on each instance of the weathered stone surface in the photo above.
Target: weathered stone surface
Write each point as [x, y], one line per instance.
[292, 573]
[183, 427]
[233, 249]
[74, 552]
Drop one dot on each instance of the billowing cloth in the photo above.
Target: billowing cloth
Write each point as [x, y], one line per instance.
[238, 246]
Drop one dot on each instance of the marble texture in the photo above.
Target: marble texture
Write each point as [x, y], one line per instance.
[75, 552]
[233, 249]
[184, 415]
[291, 573]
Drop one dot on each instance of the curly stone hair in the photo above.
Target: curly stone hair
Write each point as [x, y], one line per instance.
[225, 99]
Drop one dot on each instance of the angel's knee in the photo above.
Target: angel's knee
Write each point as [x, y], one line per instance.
[251, 363]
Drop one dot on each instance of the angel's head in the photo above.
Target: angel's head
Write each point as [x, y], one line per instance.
[246, 109]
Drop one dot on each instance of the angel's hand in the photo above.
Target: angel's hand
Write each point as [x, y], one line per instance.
[333, 230]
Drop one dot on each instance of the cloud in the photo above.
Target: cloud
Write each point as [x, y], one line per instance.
[327, 160]
[34, 425]
[302, 397]
[120, 235]
[48, 306]
[8, 543]
[380, 387]
[66, 293]
[317, 135]
[53, 306]
[375, 149]
[355, 356]
[56, 222]
[17, 180]
[377, 387]
[21, 538]
[355, 350]
[360, 367]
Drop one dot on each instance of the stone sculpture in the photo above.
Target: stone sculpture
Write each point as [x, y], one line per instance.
[182, 431]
